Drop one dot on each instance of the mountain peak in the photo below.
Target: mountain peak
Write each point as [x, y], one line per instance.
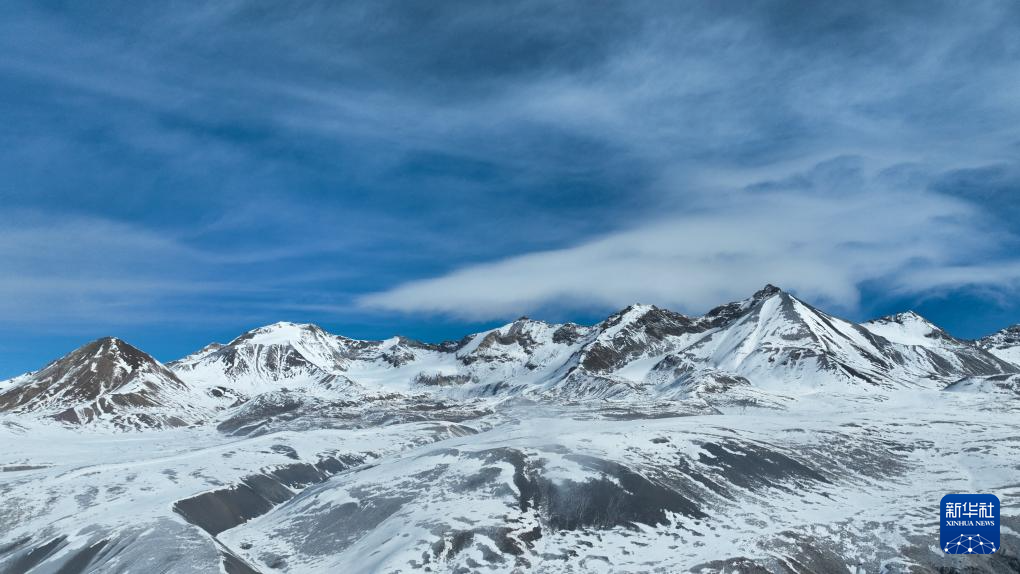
[287, 326]
[907, 328]
[279, 351]
[633, 310]
[637, 315]
[524, 322]
[107, 354]
[279, 333]
[769, 290]
[107, 344]
[907, 317]
[112, 349]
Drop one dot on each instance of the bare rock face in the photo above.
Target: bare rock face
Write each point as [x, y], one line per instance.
[635, 332]
[105, 380]
[518, 341]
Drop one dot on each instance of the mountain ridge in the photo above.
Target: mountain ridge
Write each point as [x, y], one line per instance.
[771, 343]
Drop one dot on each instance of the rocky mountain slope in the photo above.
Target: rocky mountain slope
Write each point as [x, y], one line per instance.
[106, 382]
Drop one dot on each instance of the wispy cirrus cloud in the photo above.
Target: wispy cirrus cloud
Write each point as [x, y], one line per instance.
[823, 233]
[86, 270]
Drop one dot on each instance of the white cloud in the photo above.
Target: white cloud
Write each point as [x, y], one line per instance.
[816, 240]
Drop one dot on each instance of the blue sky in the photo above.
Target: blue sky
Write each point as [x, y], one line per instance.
[176, 173]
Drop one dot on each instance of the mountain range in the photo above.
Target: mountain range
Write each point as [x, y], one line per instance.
[763, 436]
[757, 351]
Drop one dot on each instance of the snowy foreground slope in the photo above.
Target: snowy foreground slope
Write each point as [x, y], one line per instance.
[765, 436]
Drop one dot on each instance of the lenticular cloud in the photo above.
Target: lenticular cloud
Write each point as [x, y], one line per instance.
[822, 244]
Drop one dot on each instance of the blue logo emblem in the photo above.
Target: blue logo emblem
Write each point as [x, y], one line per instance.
[969, 524]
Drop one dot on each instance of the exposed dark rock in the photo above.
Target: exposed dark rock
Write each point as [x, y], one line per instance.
[441, 380]
[568, 334]
[644, 333]
[31, 557]
[751, 466]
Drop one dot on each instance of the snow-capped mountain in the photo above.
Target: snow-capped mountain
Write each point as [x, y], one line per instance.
[943, 354]
[105, 382]
[278, 355]
[270, 354]
[763, 436]
[771, 339]
[780, 342]
[1004, 344]
[908, 328]
[770, 343]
